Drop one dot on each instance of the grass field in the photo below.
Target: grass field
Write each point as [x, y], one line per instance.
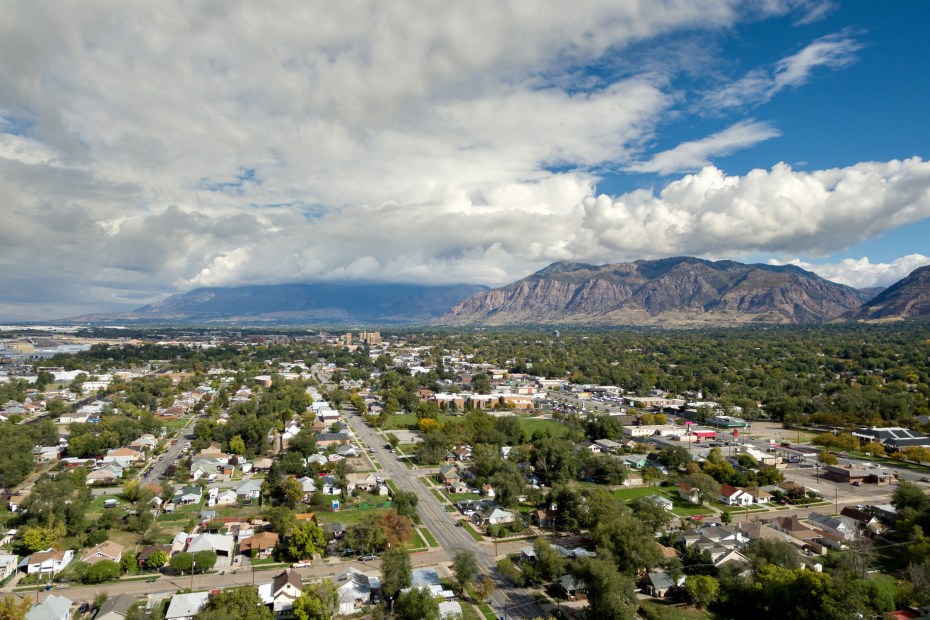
[667, 611]
[531, 425]
[636, 492]
[346, 517]
[408, 421]
[416, 541]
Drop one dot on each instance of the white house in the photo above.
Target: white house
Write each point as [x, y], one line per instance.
[283, 590]
[48, 561]
[494, 515]
[249, 489]
[52, 608]
[733, 496]
[7, 565]
[186, 606]
[354, 589]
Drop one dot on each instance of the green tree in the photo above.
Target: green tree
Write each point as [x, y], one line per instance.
[204, 561]
[702, 590]
[281, 519]
[128, 563]
[291, 492]
[181, 562]
[105, 570]
[610, 594]
[306, 540]
[13, 608]
[237, 445]
[464, 568]
[156, 560]
[396, 571]
[827, 458]
[319, 601]
[416, 604]
[241, 603]
[393, 440]
[405, 503]
[706, 486]
[484, 588]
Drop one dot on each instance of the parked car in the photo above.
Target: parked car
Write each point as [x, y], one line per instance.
[369, 557]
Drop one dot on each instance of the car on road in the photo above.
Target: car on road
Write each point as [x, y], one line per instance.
[925, 479]
[369, 557]
[301, 564]
[857, 484]
[696, 518]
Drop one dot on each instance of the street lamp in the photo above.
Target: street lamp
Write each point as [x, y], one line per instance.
[193, 564]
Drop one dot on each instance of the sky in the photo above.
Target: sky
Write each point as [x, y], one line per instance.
[149, 148]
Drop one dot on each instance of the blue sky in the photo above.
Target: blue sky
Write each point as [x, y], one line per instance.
[152, 148]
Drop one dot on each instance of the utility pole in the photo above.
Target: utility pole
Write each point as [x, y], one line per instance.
[193, 564]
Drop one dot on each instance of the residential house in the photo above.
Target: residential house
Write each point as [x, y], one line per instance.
[571, 587]
[48, 561]
[126, 457]
[186, 606]
[362, 482]
[17, 500]
[54, 607]
[221, 544]
[259, 545]
[659, 584]
[863, 519]
[660, 500]
[179, 542]
[732, 556]
[355, 590]
[308, 486]
[329, 486]
[143, 556]
[544, 518]
[281, 593]
[324, 440]
[226, 497]
[107, 550]
[759, 496]
[607, 445]
[108, 474]
[249, 490]
[449, 475]
[493, 515]
[794, 528]
[841, 526]
[689, 493]
[188, 495]
[116, 607]
[7, 565]
[733, 496]
[635, 461]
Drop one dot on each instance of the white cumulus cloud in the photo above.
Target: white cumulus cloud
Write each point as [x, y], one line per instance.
[861, 272]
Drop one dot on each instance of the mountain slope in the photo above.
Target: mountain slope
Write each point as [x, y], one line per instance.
[287, 303]
[673, 291]
[905, 299]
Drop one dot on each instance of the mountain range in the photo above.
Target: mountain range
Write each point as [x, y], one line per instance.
[672, 292]
[679, 291]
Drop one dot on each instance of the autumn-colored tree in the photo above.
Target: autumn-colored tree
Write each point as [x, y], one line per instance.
[399, 528]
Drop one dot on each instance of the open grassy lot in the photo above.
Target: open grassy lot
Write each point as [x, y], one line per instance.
[662, 610]
[347, 517]
[531, 425]
[629, 493]
[408, 421]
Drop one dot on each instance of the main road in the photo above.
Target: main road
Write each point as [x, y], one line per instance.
[510, 601]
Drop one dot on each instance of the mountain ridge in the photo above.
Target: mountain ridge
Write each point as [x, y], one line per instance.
[675, 291]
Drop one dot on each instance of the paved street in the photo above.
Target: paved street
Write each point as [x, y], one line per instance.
[516, 602]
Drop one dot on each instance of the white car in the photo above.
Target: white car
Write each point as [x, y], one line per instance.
[301, 564]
